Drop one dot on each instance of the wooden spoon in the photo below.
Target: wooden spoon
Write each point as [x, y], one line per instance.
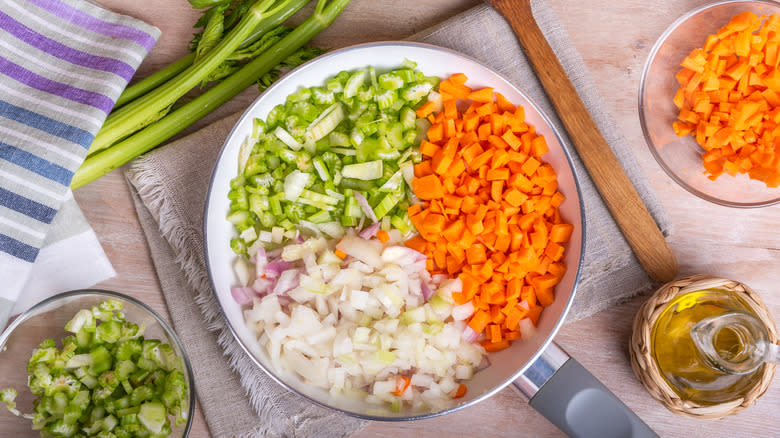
[616, 189]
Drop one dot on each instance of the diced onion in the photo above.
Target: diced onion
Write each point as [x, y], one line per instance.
[527, 328]
[287, 280]
[463, 311]
[365, 207]
[241, 294]
[369, 231]
[469, 335]
[353, 326]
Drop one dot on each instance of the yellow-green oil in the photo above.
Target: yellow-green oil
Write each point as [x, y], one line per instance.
[690, 375]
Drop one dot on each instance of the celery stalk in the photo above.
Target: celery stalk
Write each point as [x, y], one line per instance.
[154, 80]
[145, 110]
[158, 78]
[105, 161]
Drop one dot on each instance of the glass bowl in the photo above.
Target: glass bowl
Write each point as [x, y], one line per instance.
[680, 157]
[47, 319]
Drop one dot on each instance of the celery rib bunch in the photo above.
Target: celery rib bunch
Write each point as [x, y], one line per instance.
[242, 42]
[332, 156]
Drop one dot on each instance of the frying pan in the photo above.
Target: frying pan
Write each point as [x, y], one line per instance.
[556, 385]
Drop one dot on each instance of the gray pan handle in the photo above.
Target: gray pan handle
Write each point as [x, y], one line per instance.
[562, 390]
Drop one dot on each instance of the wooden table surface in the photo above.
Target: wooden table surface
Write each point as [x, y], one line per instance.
[614, 39]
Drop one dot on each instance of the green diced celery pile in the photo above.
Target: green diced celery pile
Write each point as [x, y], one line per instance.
[107, 380]
[301, 168]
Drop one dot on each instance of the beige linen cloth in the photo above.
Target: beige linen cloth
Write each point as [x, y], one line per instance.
[171, 185]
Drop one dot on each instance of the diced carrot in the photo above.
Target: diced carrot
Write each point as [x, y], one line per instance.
[514, 316]
[427, 187]
[484, 131]
[423, 169]
[425, 109]
[383, 236]
[482, 95]
[491, 214]
[455, 89]
[561, 232]
[512, 335]
[539, 146]
[454, 231]
[728, 95]
[458, 78]
[479, 321]
[476, 254]
[429, 149]
[434, 223]
[401, 383]
[530, 166]
[528, 294]
[504, 104]
[534, 312]
[435, 132]
[485, 109]
[501, 174]
[460, 392]
[494, 333]
[417, 243]
[492, 347]
[340, 254]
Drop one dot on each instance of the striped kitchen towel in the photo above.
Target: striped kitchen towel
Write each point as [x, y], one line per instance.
[63, 64]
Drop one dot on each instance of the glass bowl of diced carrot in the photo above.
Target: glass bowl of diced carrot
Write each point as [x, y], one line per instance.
[709, 102]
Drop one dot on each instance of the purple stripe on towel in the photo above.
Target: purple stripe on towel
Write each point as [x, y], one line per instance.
[82, 19]
[65, 91]
[61, 51]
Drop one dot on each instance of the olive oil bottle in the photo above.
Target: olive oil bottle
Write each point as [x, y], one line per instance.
[710, 347]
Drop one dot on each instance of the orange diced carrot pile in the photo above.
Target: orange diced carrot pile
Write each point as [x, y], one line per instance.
[729, 99]
[490, 215]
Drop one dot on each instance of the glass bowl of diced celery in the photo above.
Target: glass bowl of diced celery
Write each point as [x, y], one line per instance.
[94, 363]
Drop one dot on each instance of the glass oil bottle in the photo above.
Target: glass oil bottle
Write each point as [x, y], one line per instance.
[710, 346]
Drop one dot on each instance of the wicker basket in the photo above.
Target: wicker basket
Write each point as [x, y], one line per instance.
[646, 368]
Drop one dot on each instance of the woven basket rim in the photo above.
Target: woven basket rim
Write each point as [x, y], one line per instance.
[646, 369]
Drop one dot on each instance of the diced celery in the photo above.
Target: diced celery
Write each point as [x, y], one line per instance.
[386, 204]
[294, 184]
[416, 92]
[338, 139]
[109, 332]
[350, 133]
[83, 318]
[318, 197]
[258, 127]
[153, 416]
[101, 359]
[321, 168]
[287, 139]
[354, 83]
[364, 171]
[395, 136]
[390, 81]
[386, 357]
[407, 117]
[326, 122]
[386, 99]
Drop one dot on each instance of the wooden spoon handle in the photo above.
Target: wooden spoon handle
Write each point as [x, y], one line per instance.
[630, 213]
